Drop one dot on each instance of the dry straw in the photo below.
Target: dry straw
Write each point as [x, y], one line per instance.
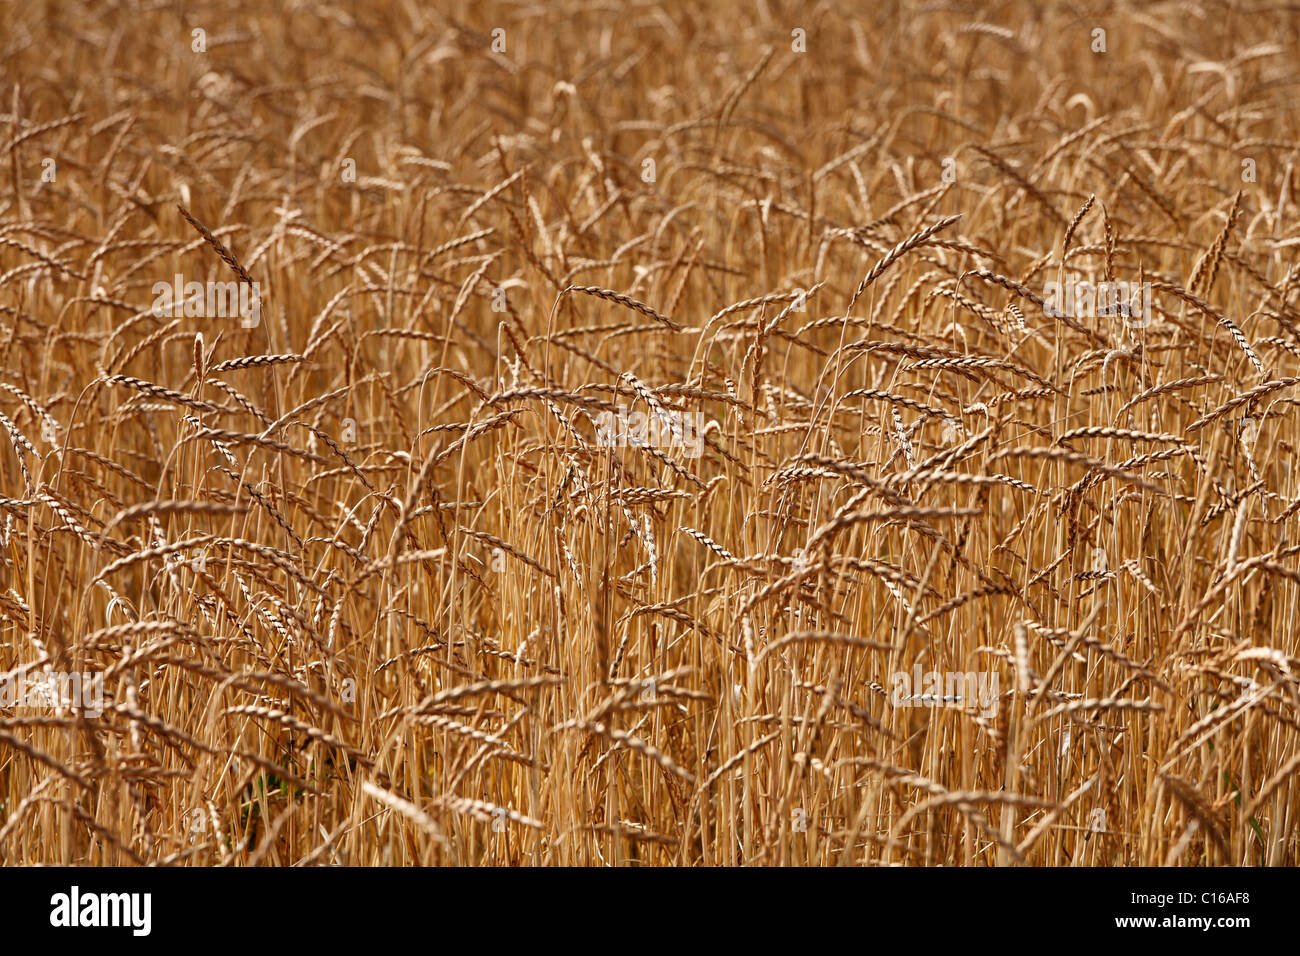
[375, 586]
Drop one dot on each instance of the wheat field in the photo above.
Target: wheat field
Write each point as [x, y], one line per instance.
[648, 434]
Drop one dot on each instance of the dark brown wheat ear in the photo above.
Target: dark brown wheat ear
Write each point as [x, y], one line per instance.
[226, 255]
